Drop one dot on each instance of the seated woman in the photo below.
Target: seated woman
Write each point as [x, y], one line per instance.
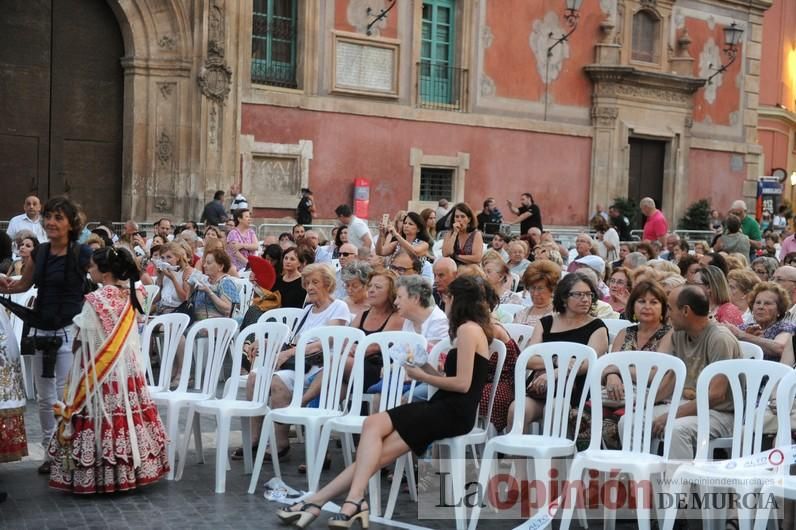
[218, 296]
[741, 283]
[573, 301]
[464, 242]
[713, 281]
[323, 310]
[413, 238]
[770, 330]
[646, 305]
[500, 279]
[172, 278]
[355, 278]
[518, 257]
[540, 280]
[290, 284]
[451, 412]
[27, 246]
[619, 286]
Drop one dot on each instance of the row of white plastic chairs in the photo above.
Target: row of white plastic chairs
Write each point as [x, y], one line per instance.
[337, 414]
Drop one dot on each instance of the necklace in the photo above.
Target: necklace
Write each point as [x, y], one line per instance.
[544, 309]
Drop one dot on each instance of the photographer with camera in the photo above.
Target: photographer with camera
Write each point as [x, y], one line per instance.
[58, 270]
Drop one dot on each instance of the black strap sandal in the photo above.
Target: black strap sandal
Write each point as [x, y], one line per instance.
[341, 520]
[300, 518]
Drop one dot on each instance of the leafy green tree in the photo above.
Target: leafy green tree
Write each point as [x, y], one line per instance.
[697, 216]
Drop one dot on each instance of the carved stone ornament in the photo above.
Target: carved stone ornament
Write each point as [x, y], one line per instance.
[358, 17]
[487, 37]
[166, 89]
[604, 116]
[709, 61]
[627, 82]
[487, 86]
[215, 77]
[165, 149]
[167, 42]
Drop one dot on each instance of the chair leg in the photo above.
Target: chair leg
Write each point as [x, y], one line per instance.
[569, 498]
[670, 514]
[171, 450]
[222, 447]
[483, 481]
[348, 448]
[197, 439]
[397, 476]
[457, 455]
[320, 454]
[374, 493]
[311, 452]
[258, 461]
[764, 512]
[274, 451]
[246, 434]
[185, 441]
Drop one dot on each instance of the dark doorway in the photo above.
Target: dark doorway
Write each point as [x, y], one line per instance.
[61, 96]
[647, 158]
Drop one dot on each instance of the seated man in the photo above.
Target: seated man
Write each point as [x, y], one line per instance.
[697, 341]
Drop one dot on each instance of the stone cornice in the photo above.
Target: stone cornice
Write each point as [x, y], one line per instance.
[165, 67]
[747, 5]
[777, 113]
[630, 76]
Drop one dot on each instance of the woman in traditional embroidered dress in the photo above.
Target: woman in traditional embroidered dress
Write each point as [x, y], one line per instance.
[13, 443]
[109, 437]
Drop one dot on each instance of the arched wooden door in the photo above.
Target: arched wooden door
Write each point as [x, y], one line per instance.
[61, 97]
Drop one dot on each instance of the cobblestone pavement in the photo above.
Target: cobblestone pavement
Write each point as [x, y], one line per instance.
[189, 503]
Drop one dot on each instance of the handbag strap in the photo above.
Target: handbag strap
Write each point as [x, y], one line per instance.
[296, 329]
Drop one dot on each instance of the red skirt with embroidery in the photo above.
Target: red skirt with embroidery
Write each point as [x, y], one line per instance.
[13, 442]
[87, 470]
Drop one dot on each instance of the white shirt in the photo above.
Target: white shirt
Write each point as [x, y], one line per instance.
[434, 328]
[337, 310]
[22, 222]
[357, 230]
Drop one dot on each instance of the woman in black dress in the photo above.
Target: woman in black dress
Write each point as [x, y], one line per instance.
[450, 412]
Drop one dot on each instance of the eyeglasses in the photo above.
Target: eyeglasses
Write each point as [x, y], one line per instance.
[580, 295]
[346, 254]
[398, 269]
[614, 281]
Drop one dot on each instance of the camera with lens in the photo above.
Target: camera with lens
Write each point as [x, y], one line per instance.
[49, 347]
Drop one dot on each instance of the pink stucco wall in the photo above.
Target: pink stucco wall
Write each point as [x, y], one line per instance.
[503, 163]
[710, 176]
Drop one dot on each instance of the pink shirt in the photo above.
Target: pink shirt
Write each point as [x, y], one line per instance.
[788, 246]
[655, 227]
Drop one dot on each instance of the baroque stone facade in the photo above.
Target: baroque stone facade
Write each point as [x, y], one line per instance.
[180, 104]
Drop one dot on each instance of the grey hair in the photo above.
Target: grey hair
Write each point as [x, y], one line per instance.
[771, 264]
[359, 270]
[417, 286]
[636, 259]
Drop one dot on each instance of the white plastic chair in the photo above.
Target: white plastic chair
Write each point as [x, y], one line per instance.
[750, 350]
[151, 292]
[245, 293]
[746, 377]
[454, 465]
[636, 457]
[173, 326]
[270, 337]
[393, 376]
[244, 275]
[521, 333]
[290, 316]
[337, 342]
[786, 391]
[615, 325]
[553, 442]
[510, 309]
[220, 332]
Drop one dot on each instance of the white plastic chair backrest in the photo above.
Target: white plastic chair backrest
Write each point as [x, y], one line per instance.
[496, 348]
[27, 298]
[750, 378]
[558, 398]
[393, 374]
[289, 316]
[219, 333]
[786, 391]
[336, 264]
[434, 355]
[615, 325]
[151, 292]
[174, 325]
[245, 293]
[336, 342]
[521, 333]
[515, 281]
[750, 351]
[269, 337]
[510, 309]
[637, 434]
[244, 275]
[436, 249]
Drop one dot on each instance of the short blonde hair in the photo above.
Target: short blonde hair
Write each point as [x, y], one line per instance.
[326, 273]
[745, 279]
[178, 250]
[525, 248]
